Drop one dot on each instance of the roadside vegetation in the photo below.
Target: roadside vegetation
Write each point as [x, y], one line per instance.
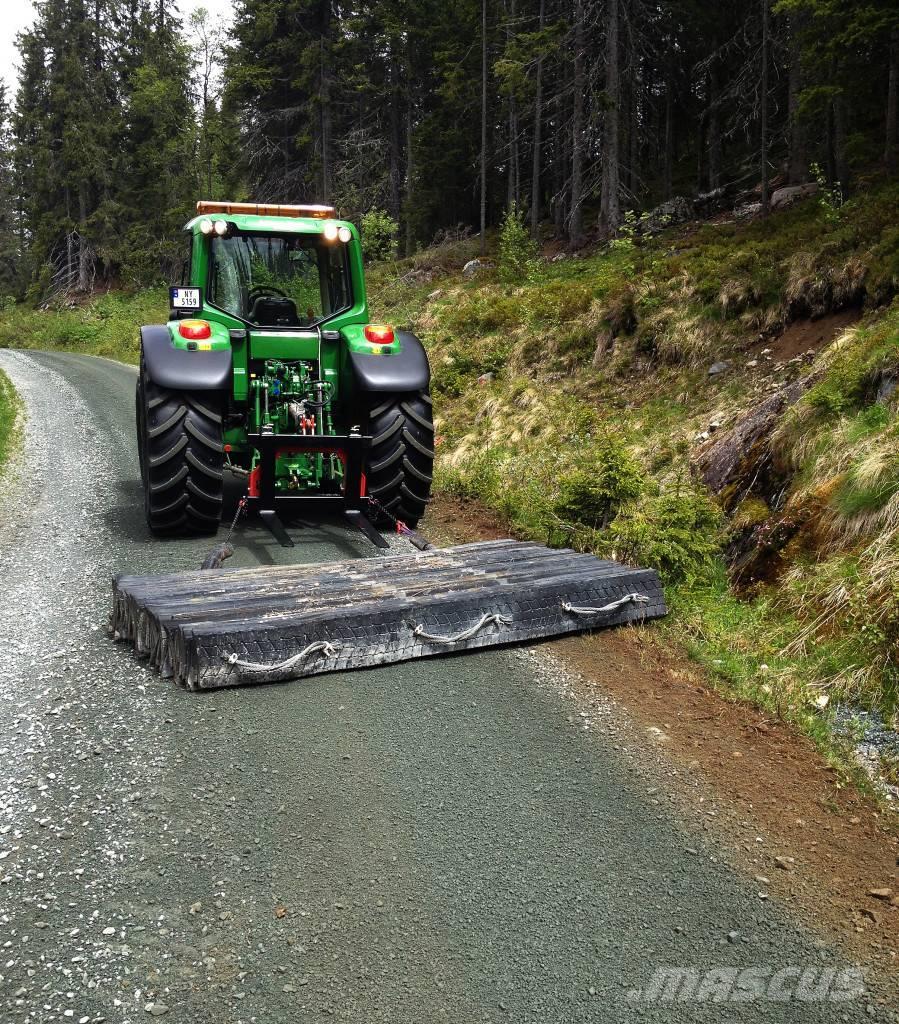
[10, 411]
[575, 400]
[106, 325]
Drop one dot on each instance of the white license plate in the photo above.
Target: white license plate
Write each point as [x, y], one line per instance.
[186, 298]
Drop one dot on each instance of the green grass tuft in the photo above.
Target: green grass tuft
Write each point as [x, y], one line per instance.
[10, 412]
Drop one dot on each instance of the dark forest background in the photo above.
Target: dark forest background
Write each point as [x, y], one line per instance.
[441, 115]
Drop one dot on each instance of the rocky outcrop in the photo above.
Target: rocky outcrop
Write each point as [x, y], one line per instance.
[673, 211]
[784, 197]
[737, 456]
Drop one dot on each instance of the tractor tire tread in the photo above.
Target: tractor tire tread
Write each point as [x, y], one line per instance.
[163, 457]
[401, 457]
[386, 463]
[161, 428]
[182, 458]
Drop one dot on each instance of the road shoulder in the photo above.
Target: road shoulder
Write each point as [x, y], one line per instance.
[779, 812]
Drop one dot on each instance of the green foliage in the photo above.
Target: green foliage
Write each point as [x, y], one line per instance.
[519, 256]
[10, 409]
[855, 369]
[480, 311]
[830, 196]
[464, 364]
[106, 162]
[557, 302]
[677, 532]
[108, 326]
[379, 236]
[592, 495]
[624, 244]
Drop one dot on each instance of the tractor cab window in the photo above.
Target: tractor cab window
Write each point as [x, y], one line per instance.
[279, 280]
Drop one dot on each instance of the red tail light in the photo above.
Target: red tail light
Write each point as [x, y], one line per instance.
[379, 334]
[194, 330]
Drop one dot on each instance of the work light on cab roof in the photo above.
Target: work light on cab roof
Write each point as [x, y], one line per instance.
[266, 209]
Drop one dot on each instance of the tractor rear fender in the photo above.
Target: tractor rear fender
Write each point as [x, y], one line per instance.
[401, 371]
[181, 369]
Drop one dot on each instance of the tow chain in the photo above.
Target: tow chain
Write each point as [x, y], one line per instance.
[241, 508]
[413, 536]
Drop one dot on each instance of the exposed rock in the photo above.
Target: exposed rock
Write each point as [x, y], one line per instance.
[435, 294]
[747, 210]
[473, 267]
[417, 275]
[486, 378]
[673, 211]
[880, 894]
[738, 452]
[785, 197]
[886, 387]
[718, 367]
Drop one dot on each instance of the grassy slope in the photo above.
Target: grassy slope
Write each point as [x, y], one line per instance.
[107, 326]
[596, 450]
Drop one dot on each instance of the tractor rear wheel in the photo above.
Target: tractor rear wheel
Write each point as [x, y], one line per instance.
[182, 458]
[400, 463]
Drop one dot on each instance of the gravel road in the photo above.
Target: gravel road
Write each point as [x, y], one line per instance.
[443, 840]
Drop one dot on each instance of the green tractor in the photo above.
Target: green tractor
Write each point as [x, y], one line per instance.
[270, 369]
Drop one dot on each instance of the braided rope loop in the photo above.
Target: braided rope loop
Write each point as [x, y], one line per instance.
[606, 608]
[282, 670]
[490, 618]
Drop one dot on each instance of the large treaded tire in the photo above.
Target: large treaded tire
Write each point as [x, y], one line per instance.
[179, 437]
[400, 463]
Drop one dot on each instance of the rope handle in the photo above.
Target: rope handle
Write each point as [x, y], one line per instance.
[281, 670]
[490, 618]
[606, 608]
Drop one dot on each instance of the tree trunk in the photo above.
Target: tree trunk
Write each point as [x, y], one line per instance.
[840, 131]
[325, 101]
[394, 144]
[98, 44]
[892, 102]
[576, 218]
[84, 258]
[512, 194]
[763, 147]
[634, 136]
[483, 127]
[610, 207]
[70, 240]
[668, 155]
[561, 145]
[798, 163]
[410, 176]
[713, 130]
[538, 126]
